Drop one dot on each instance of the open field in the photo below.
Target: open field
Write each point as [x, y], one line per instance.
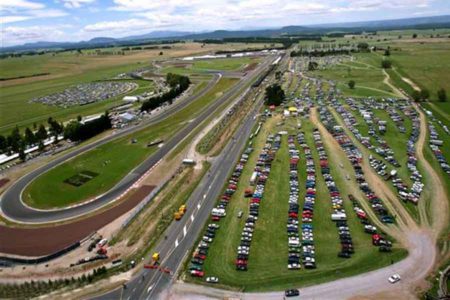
[365, 71]
[69, 68]
[49, 190]
[268, 255]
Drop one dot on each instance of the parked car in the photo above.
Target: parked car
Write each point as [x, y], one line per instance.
[212, 279]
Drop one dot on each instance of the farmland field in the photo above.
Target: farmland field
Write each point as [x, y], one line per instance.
[70, 68]
[49, 190]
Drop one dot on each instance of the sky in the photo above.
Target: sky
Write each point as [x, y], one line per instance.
[24, 21]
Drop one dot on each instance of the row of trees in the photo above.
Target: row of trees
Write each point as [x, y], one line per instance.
[178, 84]
[17, 142]
[77, 131]
[35, 288]
[424, 95]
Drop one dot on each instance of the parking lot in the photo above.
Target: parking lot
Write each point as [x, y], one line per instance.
[294, 239]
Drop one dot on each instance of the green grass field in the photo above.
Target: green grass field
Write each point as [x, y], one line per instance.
[365, 71]
[15, 110]
[49, 190]
[223, 64]
[269, 250]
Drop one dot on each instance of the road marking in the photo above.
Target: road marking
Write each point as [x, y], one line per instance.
[184, 230]
[204, 196]
[176, 243]
[149, 288]
[198, 206]
[192, 217]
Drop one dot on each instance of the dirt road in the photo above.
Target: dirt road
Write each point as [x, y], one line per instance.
[439, 200]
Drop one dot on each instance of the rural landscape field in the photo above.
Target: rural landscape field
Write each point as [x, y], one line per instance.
[225, 150]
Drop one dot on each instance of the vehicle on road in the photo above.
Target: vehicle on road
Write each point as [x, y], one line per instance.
[291, 293]
[394, 278]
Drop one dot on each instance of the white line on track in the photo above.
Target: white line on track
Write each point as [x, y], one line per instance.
[184, 230]
[192, 217]
[176, 243]
[198, 206]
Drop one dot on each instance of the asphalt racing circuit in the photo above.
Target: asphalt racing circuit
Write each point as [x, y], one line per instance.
[14, 209]
[181, 235]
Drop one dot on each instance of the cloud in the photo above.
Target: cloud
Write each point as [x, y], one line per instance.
[20, 10]
[75, 3]
[14, 35]
[118, 26]
[16, 5]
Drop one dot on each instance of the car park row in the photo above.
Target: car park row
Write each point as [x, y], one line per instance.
[292, 221]
[307, 242]
[383, 148]
[258, 179]
[355, 157]
[377, 239]
[435, 144]
[406, 194]
[338, 215]
[201, 252]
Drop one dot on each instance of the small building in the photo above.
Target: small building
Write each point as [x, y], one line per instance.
[130, 99]
[126, 117]
[272, 107]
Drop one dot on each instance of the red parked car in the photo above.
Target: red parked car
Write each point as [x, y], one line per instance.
[196, 273]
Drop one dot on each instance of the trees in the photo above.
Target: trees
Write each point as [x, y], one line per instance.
[386, 64]
[351, 84]
[55, 129]
[421, 95]
[41, 134]
[30, 138]
[3, 144]
[178, 84]
[14, 140]
[442, 95]
[274, 95]
[363, 46]
[414, 35]
[387, 52]
[76, 131]
[312, 65]
[424, 94]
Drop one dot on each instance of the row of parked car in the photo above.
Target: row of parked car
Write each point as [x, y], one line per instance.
[355, 157]
[307, 237]
[262, 171]
[435, 144]
[292, 221]
[367, 114]
[339, 215]
[218, 212]
[377, 239]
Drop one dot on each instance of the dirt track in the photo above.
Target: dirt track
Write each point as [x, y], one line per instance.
[439, 201]
[47, 240]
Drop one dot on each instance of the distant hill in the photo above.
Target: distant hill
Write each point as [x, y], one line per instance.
[155, 36]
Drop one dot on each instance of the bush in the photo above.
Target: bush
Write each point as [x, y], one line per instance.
[442, 95]
[386, 64]
[351, 84]
[274, 95]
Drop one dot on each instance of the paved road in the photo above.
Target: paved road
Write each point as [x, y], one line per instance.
[13, 208]
[412, 270]
[181, 236]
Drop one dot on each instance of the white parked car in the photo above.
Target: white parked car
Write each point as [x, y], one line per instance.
[212, 279]
[394, 278]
